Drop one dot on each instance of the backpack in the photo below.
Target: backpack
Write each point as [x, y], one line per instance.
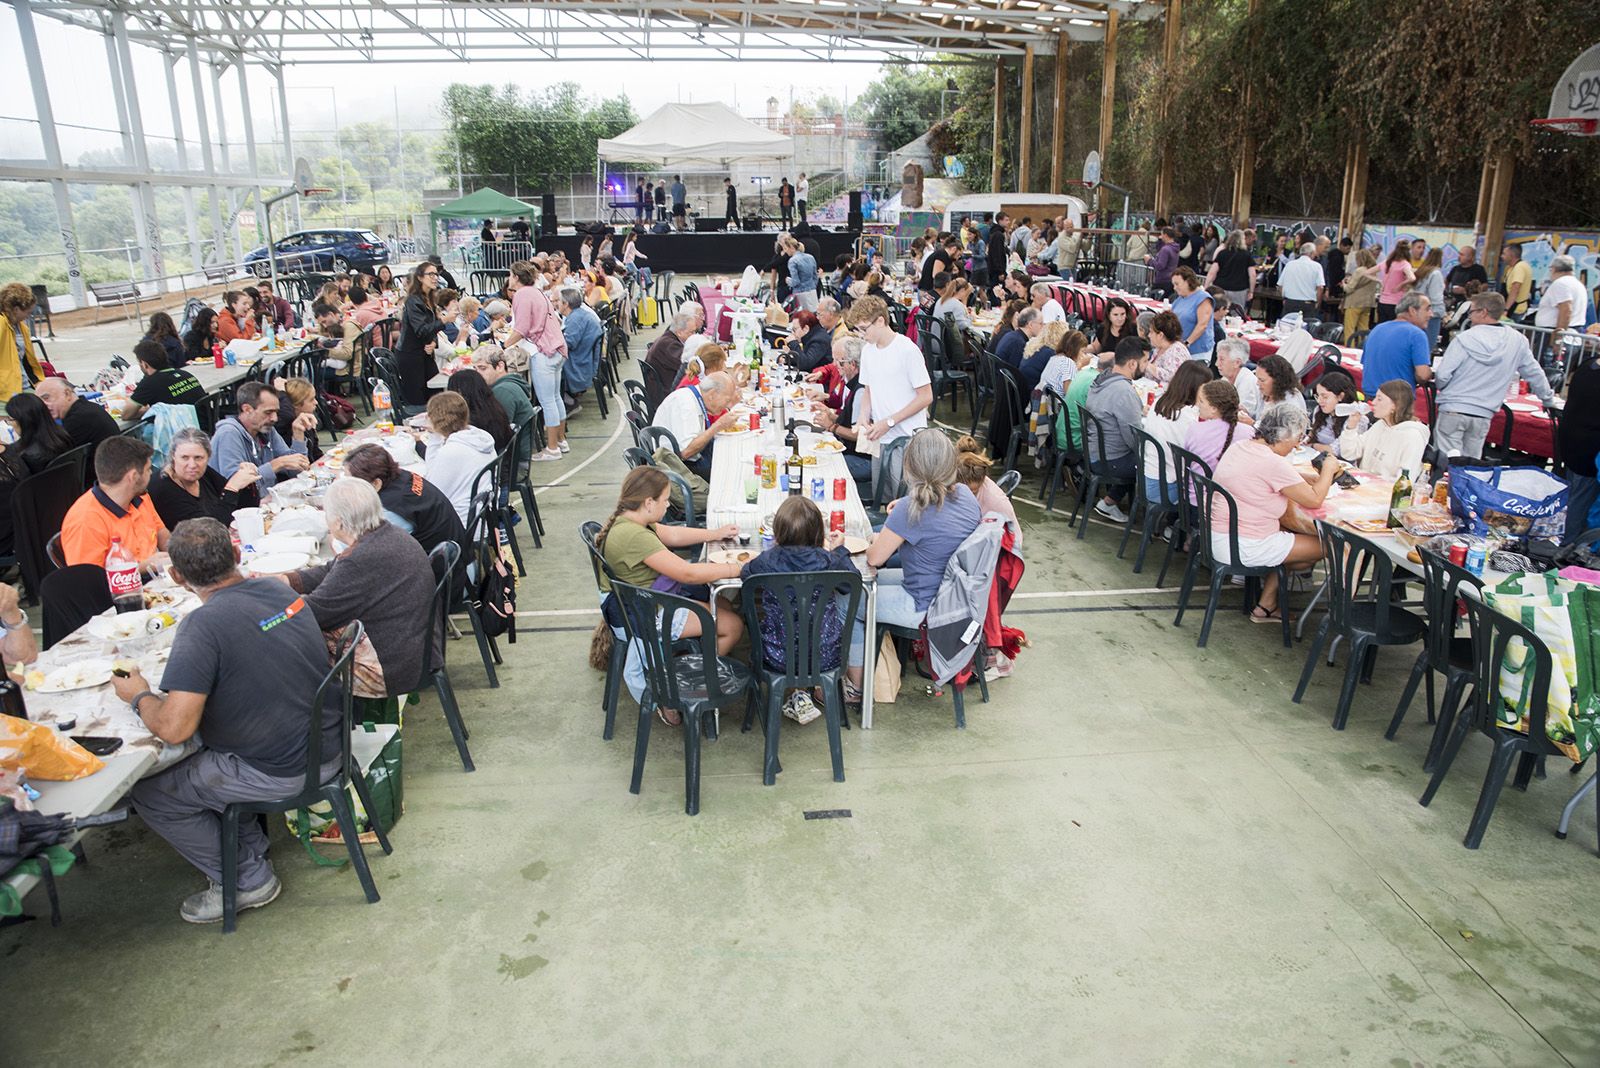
[341, 413]
[191, 307]
[495, 599]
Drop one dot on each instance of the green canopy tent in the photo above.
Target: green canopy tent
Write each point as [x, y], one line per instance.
[483, 204]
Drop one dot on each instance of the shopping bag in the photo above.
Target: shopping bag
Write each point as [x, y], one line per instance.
[1512, 502]
[648, 314]
[376, 750]
[43, 754]
[886, 673]
[1584, 608]
[1542, 604]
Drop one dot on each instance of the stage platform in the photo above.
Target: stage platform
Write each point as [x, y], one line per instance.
[720, 253]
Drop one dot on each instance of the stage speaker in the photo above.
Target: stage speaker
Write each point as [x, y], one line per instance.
[709, 226]
[856, 221]
[752, 223]
[547, 214]
[855, 202]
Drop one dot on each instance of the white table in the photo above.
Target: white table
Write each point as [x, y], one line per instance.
[733, 459]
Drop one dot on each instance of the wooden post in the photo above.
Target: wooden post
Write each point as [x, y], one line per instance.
[1494, 228]
[999, 122]
[1058, 127]
[1108, 100]
[1244, 171]
[1480, 216]
[1355, 225]
[1025, 129]
[1169, 51]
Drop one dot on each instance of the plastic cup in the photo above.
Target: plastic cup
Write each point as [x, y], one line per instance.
[250, 523]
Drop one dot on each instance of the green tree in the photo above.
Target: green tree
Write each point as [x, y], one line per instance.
[505, 137]
[902, 104]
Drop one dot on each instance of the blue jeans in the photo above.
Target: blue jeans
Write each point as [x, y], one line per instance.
[545, 372]
[895, 606]
[1582, 494]
[1434, 323]
[1158, 493]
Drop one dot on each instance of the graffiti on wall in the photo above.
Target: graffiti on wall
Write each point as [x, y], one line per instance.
[1538, 248]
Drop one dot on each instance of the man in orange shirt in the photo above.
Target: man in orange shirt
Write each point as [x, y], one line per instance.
[115, 507]
[237, 319]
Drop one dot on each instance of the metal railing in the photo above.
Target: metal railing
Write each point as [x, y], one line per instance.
[1559, 352]
[1134, 277]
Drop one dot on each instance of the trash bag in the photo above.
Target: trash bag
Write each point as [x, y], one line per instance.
[1510, 502]
[42, 753]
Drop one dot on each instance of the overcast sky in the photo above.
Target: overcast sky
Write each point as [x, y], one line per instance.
[369, 91]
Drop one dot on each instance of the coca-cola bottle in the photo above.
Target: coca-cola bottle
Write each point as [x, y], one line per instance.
[122, 575]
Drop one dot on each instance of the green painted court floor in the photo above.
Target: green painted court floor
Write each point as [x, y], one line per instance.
[1138, 853]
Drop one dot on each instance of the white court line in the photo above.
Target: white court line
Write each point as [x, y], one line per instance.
[1027, 595]
[601, 451]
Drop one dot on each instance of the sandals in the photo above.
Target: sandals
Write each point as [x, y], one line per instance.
[852, 694]
[663, 714]
[1261, 615]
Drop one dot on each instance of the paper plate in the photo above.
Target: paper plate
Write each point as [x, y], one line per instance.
[856, 545]
[78, 676]
[277, 563]
[733, 556]
[826, 445]
[118, 627]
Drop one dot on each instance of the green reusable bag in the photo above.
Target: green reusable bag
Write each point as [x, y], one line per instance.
[377, 752]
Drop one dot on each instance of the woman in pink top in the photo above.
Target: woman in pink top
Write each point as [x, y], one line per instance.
[1397, 278]
[1264, 484]
[536, 331]
[972, 470]
[1166, 335]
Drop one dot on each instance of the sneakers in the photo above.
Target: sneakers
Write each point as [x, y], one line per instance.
[801, 708]
[1108, 510]
[547, 454]
[206, 906]
[572, 409]
[564, 447]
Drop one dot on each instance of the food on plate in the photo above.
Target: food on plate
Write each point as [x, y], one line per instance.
[827, 445]
[1367, 526]
[1428, 520]
[72, 676]
[159, 598]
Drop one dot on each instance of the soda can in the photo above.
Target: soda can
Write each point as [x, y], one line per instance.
[783, 482]
[819, 489]
[838, 489]
[156, 622]
[836, 520]
[757, 460]
[1458, 555]
[1475, 559]
[755, 421]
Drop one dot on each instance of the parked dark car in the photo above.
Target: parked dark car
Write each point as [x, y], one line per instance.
[335, 251]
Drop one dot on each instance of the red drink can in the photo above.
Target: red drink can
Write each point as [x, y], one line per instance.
[838, 489]
[755, 421]
[1522, 387]
[758, 457]
[1458, 555]
[836, 520]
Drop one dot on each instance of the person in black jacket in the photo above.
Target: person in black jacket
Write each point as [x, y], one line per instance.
[410, 501]
[164, 330]
[188, 488]
[419, 327]
[85, 422]
[39, 440]
[810, 346]
[201, 337]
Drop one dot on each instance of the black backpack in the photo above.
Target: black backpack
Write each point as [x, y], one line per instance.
[495, 599]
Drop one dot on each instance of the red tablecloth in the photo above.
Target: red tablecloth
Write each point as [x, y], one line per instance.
[1349, 359]
[1532, 430]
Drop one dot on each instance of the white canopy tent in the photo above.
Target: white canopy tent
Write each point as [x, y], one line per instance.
[710, 133]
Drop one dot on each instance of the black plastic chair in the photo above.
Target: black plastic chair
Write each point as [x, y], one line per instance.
[634, 391]
[481, 550]
[1492, 635]
[443, 561]
[930, 336]
[984, 389]
[797, 606]
[78, 458]
[1155, 515]
[39, 505]
[1186, 524]
[907, 635]
[71, 596]
[652, 438]
[652, 385]
[488, 483]
[1011, 400]
[696, 684]
[1200, 553]
[634, 456]
[637, 425]
[518, 474]
[1100, 477]
[336, 687]
[1055, 458]
[1442, 651]
[618, 660]
[1366, 621]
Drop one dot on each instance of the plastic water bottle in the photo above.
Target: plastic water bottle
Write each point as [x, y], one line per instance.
[122, 575]
[269, 336]
[382, 406]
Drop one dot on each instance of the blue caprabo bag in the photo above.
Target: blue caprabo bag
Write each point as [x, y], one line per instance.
[1509, 501]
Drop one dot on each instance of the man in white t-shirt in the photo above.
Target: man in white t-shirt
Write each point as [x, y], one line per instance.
[1233, 356]
[897, 392]
[1044, 299]
[687, 413]
[1564, 302]
[1302, 282]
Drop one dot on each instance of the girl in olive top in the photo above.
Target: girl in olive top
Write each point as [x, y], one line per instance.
[638, 547]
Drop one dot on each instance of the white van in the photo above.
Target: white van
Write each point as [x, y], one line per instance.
[982, 207]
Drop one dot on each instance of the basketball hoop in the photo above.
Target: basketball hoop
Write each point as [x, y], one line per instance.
[1577, 127]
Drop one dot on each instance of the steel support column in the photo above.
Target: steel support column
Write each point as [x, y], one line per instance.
[1108, 101]
[191, 222]
[29, 43]
[214, 192]
[1025, 129]
[995, 171]
[288, 145]
[1058, 124]
[126, 88]
[1171, 33]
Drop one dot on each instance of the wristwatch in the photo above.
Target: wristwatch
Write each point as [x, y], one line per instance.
[140, 696]
[18, 625]
[890, 421]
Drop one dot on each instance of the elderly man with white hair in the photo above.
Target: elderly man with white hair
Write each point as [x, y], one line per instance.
[699, 339]
[839, 414]
[1564, 302]
[1233, 358]
[380, 575]
[664, 357]
[830, 316]
[694, 414]
[1302, 282]
[1043, 298]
